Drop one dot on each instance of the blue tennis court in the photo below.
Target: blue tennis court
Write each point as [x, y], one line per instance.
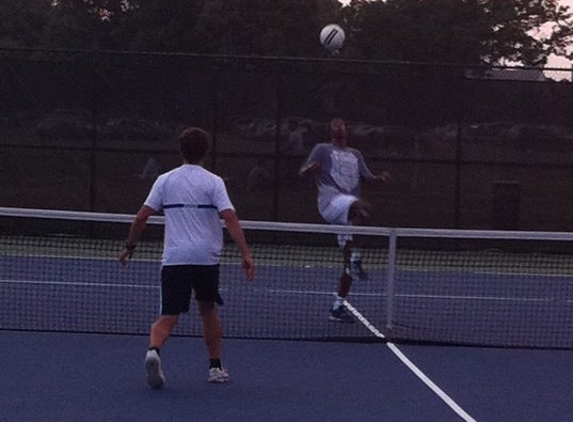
[95, 377]
[476, 329]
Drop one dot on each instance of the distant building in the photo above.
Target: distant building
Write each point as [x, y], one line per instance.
[510, 74]
[515, 74]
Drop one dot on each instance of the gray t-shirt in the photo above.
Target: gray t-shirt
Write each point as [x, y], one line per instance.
[341, 170]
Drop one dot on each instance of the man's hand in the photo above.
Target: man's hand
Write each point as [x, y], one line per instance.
[384, 176]
[127, 252]
[249, 267]
[125, 256]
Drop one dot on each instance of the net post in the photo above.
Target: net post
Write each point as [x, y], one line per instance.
[391, 272]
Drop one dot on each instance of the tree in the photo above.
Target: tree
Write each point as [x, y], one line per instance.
[162, 25]
[22, 22]
[264, 27]
[458, 31]
[450, 31]
[73, 24]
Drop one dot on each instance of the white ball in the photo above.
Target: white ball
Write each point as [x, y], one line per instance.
[332, 37]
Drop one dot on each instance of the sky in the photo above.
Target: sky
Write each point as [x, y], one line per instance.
[561, 61]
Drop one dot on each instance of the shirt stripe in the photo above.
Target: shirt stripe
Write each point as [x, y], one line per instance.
[199, 206]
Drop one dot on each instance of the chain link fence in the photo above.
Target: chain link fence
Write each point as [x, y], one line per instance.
[467, 147]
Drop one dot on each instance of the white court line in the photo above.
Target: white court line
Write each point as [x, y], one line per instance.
[83, 284]
[76, 283]
[492, 298]
[410, 365]
[287, 291]
[70, 257]
[416, 296]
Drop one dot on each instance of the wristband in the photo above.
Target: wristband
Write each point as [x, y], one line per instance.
[129, 246]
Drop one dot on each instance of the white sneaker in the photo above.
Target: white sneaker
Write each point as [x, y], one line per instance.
[154, 374]
[218, 375]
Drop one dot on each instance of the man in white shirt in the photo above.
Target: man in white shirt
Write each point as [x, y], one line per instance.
[193, 201]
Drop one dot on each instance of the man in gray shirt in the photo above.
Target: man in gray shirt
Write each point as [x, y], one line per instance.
[338, 171]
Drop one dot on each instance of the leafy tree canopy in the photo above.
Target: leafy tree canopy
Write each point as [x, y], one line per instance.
[451, 31]
[461, 31]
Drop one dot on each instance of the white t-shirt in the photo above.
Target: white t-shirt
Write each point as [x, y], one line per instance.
[191, 199]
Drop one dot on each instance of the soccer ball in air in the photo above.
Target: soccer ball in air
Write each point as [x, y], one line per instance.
[332, 37]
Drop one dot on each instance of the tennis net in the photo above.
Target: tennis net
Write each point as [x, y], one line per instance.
[59, 272]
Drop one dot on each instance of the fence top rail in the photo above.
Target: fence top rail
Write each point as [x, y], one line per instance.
[263, 58]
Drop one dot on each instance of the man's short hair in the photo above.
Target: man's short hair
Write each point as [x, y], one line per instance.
[194, 143]
[335, 122]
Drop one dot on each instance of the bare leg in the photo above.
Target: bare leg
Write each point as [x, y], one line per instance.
[161, 329]
[338, 312]
[345, 281]
[212, 329]
[359, 212]
[213, 336]
[344, 285]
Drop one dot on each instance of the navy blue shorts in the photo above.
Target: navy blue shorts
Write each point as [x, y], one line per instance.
[179, 282]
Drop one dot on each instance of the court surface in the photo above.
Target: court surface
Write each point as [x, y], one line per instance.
[55, 290]
[95, 377]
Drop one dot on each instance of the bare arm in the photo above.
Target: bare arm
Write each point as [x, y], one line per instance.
[367, 174]
[312, 168]
[384, 176]
[312, 163]
[137, 226]
[236, 231]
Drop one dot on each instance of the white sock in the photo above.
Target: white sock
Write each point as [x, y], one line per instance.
[338, 302]
[355, 256]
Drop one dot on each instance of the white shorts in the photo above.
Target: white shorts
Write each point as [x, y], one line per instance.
[336, 212]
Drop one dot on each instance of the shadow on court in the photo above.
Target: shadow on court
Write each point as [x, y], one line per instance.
[90, 377]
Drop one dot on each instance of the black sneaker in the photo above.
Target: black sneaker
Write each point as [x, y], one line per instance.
[340, 315]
